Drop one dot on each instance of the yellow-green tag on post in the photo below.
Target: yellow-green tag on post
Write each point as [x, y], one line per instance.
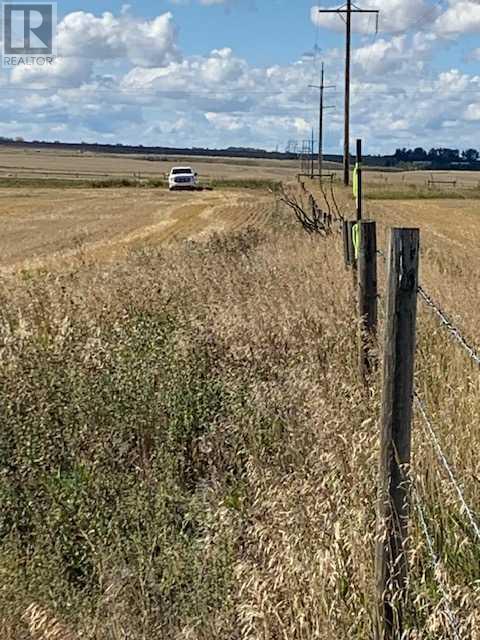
[356, 239]
[355, 180]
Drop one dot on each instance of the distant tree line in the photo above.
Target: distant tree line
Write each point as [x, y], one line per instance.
[438, 156]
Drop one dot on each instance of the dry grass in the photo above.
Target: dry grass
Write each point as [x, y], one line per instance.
[406, 180]
[187, 453]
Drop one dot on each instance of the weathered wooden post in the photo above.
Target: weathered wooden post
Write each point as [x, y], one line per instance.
[358, 168]
[348, 250]
[393, 487]
[367, 297]
[353, 234]
[346, 243]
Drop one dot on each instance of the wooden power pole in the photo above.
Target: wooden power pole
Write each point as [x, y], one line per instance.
[347, 11]
[322, 86]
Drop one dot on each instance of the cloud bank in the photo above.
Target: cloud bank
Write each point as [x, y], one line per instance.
[123, 78]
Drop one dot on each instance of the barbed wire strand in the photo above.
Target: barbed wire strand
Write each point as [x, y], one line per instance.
[437, 569]
[443, 460]
[453, 330]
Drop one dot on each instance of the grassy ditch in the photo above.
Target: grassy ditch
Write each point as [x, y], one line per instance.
[186, 451]
[117, 183]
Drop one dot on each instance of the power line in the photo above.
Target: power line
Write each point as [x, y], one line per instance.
[420, 22]
[348, 11]
[371, 45]
[322, 107]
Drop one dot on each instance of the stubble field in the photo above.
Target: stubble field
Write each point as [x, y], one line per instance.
[49, 226]
[28, 163]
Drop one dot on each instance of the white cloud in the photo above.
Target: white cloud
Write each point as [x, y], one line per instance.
[462, 16]
[220, 78]
[396, 16]
[224, 121]
[65, 72]
[222, 66]
[146, 43]
[453, 82]
[472, 112]
[85, 40]
[399, 55]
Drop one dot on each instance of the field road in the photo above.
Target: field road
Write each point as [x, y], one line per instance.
[41, 226]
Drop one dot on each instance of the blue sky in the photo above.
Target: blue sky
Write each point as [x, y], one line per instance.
[236, 72]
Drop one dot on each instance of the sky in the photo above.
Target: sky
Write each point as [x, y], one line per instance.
[219, 73]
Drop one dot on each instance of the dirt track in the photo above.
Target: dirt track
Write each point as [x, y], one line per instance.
[44, 225]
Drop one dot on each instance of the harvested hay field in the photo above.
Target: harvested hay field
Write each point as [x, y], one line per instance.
[452, 222]
[47, 226]
[30, 163]
[394, 179]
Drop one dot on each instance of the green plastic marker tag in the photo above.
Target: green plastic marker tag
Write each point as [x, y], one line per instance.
[356, 239]
[355, 181]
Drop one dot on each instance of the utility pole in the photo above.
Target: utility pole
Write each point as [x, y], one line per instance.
[322, 86]
[347, 11]
[312, 144]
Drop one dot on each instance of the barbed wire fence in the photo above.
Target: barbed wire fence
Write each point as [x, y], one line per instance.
[438, 571]
[453, 330]
[332, 218]
[430, 433]
[309, 213]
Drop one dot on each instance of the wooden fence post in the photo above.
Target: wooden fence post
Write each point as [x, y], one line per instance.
[348, 248]
[393, 487]
[347, 244]
[359, 180]
[351, 226]
[367, 297]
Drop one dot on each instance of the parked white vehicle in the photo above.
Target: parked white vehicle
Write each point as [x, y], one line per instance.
[182, 178]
